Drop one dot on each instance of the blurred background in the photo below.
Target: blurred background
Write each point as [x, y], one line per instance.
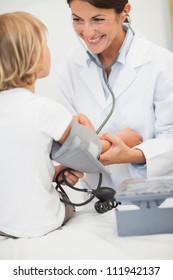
[153, 18]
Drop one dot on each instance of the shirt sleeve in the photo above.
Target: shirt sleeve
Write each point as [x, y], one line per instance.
[158, 150]
[53, 118]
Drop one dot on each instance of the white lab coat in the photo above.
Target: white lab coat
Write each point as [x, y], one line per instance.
[144, 102]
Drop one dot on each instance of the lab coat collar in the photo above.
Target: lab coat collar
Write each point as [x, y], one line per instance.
[138, 54]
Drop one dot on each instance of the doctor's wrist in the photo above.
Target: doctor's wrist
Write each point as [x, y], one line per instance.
[136, 156]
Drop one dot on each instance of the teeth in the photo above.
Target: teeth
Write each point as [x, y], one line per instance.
[94, 40]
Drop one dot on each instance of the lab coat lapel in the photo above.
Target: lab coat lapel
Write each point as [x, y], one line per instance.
[124, 80]
[137, 56]
[90, 77]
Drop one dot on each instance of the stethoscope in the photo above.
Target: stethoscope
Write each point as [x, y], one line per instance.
[104, 194]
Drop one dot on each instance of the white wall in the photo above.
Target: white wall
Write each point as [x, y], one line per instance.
[151, 17]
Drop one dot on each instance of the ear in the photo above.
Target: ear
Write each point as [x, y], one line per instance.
[33, 58]
[126, 11]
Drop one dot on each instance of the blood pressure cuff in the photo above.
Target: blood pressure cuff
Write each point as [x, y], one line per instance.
[80, 151]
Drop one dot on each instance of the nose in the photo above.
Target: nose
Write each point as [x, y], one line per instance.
[88, 31]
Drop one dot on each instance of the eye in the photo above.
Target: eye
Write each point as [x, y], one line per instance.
[77, 20]
[99, 19]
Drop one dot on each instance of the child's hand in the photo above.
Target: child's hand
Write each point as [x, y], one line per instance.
[72, 176]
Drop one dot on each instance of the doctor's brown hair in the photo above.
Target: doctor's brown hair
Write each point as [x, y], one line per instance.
[117, 5]
[22, 45]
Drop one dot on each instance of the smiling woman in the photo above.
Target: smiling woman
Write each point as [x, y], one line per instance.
[131, 67]
[99, 25]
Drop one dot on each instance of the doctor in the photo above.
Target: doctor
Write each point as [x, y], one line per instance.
[140, 75]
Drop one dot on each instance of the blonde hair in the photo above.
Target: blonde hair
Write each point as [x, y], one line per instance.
[22, 45]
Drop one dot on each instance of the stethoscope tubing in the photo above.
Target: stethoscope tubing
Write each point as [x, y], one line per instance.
[104, 67]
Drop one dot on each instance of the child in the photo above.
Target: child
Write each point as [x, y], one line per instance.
[29, 204]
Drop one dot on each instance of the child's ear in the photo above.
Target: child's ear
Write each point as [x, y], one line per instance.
[33, 57]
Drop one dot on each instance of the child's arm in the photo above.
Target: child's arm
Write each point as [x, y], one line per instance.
[130, 137]
[72, 176]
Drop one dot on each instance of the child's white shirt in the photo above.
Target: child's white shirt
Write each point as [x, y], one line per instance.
[29, 203]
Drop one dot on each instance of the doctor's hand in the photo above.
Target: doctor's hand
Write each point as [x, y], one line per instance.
[130, 137]
[72, 176]
[119, 152]
[83, 119]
